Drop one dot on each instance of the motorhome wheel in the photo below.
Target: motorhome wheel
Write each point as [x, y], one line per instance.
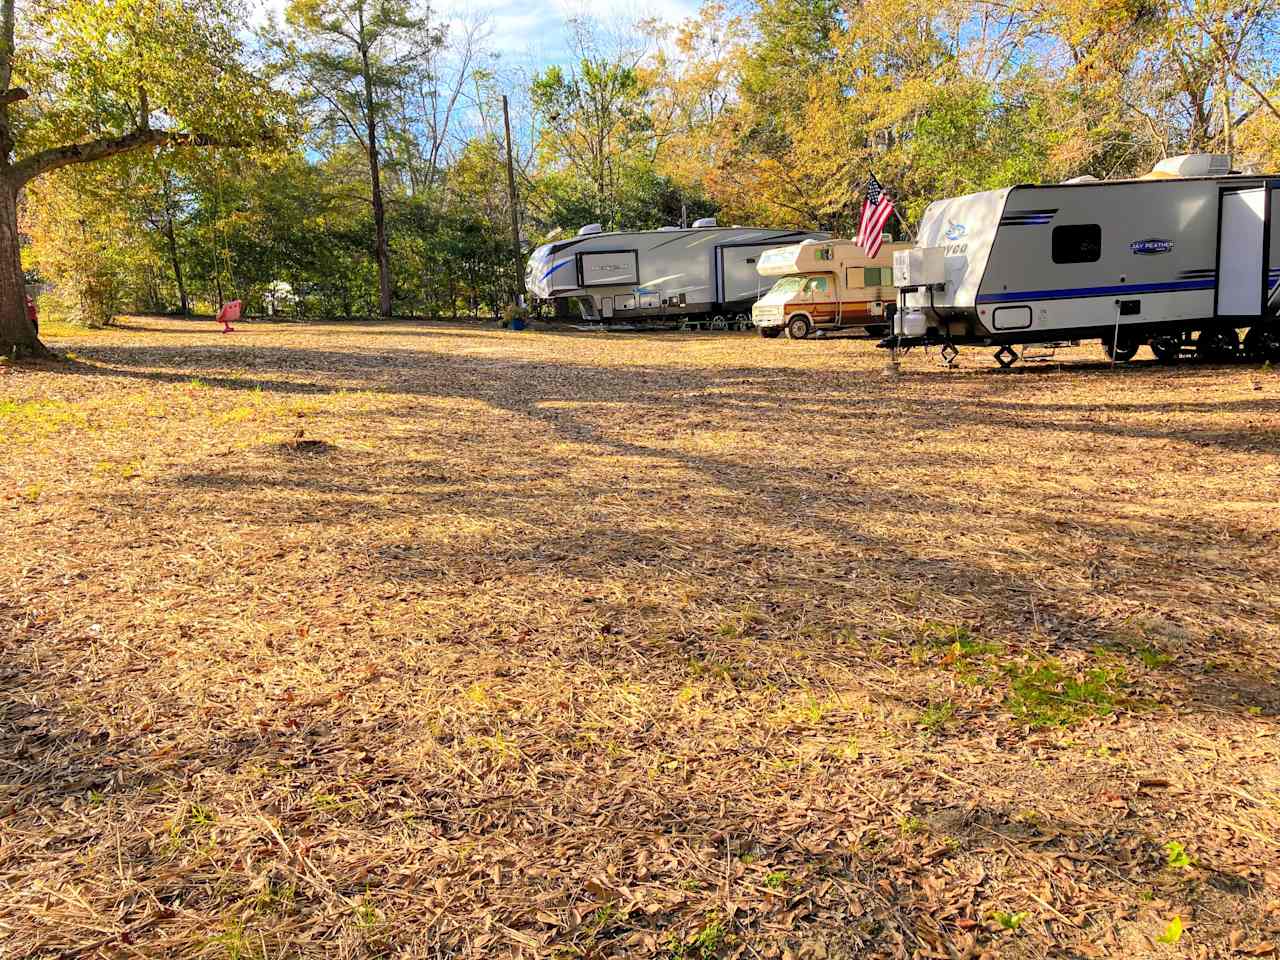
[798, 328]
[770, 332]
[1218, 345]
[1167, 349]
[1262, 342]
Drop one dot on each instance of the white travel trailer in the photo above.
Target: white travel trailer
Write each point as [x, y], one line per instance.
[704, 273]
[1182, 258]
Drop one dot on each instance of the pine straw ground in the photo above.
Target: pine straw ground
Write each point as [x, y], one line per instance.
[579, 645]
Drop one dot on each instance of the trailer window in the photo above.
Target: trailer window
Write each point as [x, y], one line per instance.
[1077, 243]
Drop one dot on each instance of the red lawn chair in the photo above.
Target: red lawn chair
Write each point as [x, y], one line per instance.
[230, 311]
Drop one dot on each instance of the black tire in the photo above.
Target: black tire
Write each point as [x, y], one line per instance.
[798, 328]
[1167, 349]
[1262, 343]
[1121, 350]
[770, 333]
[1218, 345]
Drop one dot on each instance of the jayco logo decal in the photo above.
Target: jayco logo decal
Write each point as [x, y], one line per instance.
[955, 231]
[1151, 246]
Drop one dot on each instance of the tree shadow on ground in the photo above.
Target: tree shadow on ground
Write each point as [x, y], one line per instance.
[841, 512]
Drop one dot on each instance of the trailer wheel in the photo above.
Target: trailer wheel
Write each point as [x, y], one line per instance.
[1262, 343]
[798, 328]
[1218, 345]
[1119, 350]
[770, 333]
[1167, 349]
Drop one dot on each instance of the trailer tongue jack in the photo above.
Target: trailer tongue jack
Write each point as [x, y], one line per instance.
[1006, 356]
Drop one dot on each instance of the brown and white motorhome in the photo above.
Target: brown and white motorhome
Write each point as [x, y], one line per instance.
[826, 285]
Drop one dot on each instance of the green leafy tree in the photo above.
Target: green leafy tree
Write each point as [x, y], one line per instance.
[354, 56]
[85, 80]
[594, 118]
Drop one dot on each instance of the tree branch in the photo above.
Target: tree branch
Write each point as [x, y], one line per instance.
[56, 157]
[1240, 75]
[7, 18]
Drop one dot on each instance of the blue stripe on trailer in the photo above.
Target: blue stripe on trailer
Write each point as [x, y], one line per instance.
[562, 263]
[1120, 290]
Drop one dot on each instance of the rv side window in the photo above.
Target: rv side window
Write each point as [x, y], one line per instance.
[877, 277]
[1077, 243]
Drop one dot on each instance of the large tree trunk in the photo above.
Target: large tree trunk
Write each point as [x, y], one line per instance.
[375, 182]
[17, 333]
[172, 237]
[380, 233]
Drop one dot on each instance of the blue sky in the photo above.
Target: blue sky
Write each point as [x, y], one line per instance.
[534, 34]
[531, 35]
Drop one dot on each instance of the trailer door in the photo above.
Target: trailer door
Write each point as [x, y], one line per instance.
[1241, 264]
[736, 277]
[1273, 249]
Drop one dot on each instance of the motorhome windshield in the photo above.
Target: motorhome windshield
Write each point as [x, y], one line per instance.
[788, 285]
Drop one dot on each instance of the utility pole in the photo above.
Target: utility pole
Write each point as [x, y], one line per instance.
[511, 195]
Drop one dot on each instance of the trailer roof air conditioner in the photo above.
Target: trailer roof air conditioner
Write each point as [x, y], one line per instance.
[589, 229]
[1086, 178]
[704, 223]
[1192, 165]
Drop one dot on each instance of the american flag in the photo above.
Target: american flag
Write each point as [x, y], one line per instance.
[875, 214]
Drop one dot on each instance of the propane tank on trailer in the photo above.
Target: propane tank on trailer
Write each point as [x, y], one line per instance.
[913, 323]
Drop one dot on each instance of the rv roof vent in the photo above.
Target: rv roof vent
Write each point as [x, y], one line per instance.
[1194, 165]
[704, 223]
[589, 229]
[1087, 178]
[667, 229]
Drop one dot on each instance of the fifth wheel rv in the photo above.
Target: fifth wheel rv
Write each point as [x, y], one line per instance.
[705, 273]
[1180, 259]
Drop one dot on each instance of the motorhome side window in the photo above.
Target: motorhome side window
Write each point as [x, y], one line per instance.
[1077, 243]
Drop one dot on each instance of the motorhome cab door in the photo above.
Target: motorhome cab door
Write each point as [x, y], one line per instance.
[1242, 235]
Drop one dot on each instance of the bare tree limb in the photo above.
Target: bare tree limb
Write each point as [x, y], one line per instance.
[1230, 61]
